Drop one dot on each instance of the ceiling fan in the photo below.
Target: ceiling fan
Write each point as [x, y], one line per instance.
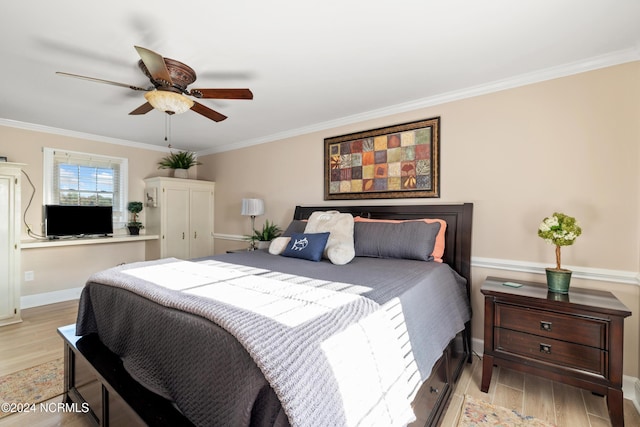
[170, 79]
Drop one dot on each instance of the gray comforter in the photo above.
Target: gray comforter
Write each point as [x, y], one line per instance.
[209, 374]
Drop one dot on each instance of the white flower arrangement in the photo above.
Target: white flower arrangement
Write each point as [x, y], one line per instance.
[559, 230]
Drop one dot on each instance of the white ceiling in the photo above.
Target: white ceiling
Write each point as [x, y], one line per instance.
[310, 64]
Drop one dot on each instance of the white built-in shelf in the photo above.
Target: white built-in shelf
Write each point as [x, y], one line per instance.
[33, 243]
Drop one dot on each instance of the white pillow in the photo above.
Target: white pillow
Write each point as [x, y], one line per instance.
[340, 248]
[278, 245]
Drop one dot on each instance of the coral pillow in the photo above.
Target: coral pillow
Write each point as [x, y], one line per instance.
[438, 249]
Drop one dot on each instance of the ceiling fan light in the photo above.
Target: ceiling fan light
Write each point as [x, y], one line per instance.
[169, 102]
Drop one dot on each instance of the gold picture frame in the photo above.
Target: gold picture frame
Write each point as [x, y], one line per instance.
[400, 161]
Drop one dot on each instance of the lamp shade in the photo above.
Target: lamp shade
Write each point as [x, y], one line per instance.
[252, 207]
[167, 101]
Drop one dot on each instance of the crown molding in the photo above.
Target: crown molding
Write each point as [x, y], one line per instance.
[589, 64]
[577, 67]
[80, 135]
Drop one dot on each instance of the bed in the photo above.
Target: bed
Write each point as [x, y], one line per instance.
[158, 344]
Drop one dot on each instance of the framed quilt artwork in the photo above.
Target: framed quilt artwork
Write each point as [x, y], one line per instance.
[398, 161]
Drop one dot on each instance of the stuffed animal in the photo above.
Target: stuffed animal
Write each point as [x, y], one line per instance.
[340, 248]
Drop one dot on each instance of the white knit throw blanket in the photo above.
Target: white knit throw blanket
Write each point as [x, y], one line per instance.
[331, 355]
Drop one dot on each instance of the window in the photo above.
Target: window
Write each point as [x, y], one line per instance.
[73, 178]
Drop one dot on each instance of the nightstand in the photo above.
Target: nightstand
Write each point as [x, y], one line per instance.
[575, 339]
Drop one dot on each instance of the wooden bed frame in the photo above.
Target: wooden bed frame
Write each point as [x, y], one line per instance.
[96, 376]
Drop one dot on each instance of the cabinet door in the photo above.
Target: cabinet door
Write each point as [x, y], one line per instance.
[6, 240]
[176, 239]
[201, 213]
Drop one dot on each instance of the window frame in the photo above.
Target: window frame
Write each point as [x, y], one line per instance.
[86, 159]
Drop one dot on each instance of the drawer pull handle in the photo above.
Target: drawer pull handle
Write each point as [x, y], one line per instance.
[545, 326]
[545, 348]
[433, 390]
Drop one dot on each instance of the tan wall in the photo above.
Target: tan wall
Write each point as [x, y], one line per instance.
[569, 145]
[68, 267]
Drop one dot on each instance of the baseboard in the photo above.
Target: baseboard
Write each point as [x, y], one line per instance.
[36, 300]
[630, 389]
[636, 399]
[477, 346]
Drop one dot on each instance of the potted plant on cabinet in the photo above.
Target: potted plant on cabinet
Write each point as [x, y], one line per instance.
[180, 162]
[134, 225]
[559, 230]
[264, 237]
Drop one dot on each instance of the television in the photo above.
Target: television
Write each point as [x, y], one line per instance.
[65, 220]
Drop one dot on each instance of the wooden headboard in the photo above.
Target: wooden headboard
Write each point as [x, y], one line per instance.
[459, 218]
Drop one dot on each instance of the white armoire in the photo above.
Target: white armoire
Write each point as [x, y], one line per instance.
[10, 175]
[180, 211]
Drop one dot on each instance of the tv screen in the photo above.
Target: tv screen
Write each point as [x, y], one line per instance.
[78, 220]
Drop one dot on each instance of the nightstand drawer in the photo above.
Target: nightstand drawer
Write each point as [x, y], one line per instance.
[550, 350]
[573, 329]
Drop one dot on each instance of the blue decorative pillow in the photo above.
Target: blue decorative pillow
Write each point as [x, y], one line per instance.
[306, 246]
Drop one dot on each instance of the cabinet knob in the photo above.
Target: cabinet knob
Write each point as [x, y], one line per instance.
[433, 390]
[545, 326]
[195, 234]
[545, 348]
[183, 235]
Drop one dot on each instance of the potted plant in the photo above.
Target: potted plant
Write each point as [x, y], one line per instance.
[180, 162]
[134, 225]
[264, 237]
[559, 230]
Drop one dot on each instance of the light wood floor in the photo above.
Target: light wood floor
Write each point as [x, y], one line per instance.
[30, 343]
[562, 405]
[35, 341]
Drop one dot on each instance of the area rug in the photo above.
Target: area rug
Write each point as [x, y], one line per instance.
[32, 385]
[480, 413]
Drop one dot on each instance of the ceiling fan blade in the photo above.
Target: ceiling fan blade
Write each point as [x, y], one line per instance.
[143, 109]
[93, 79]
[208, 112]
[222, 93]
[156, 66]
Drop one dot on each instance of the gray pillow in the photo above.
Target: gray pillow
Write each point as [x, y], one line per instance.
[296, 226]
[408, 240]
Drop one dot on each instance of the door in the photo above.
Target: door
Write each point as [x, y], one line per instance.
[6, 242]
[176, 236]
[201, 222]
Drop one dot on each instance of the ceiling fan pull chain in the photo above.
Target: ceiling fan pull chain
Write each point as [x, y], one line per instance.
[167, 128]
